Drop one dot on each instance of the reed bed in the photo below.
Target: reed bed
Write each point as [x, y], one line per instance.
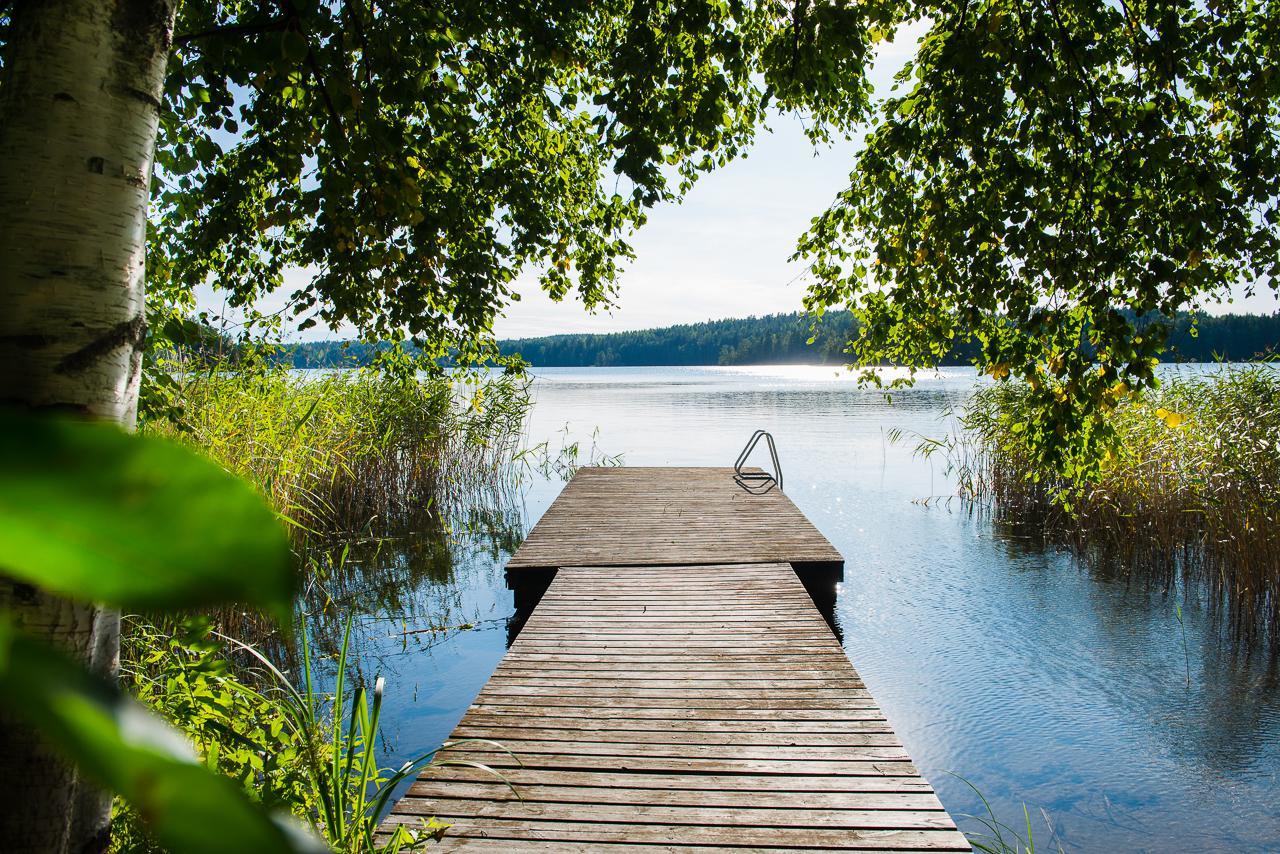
[1188, 500]
[354, 453]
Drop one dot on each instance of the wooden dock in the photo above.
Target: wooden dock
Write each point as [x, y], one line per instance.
[677, 702]
[675, 516]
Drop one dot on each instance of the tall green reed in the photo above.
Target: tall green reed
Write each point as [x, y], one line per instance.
[1189, 499]
[349, 453]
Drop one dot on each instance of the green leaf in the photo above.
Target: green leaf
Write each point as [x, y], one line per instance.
[293, 45]
[91, 512]
[114, 740]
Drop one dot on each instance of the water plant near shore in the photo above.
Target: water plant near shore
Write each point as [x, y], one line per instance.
[997, 837]
[291, 745]
[350, 453]
[1189, 497]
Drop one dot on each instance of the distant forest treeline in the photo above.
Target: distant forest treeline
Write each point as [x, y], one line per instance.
[779, 339]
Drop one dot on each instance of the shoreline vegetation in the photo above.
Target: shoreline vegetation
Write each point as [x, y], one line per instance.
[1188, 500]
[357, 464]
[785, 339]
[350, 454]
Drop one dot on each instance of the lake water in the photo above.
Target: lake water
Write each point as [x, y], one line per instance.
[998, 662]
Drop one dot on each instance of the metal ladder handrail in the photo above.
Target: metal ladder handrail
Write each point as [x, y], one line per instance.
[761, 482]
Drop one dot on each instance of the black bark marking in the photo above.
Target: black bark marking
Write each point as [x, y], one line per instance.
[144, 34]
[131, 333]
[63, 96]
[97, 165]
[139, 95]
[28, 342]
[24, 593]
[148, 21]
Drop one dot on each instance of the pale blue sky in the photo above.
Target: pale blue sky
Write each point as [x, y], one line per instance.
[723, 251]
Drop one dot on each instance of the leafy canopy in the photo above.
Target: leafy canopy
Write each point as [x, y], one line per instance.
[414, 158]
[1045, 164]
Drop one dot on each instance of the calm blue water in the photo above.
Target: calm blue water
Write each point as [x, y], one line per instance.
[997, 661]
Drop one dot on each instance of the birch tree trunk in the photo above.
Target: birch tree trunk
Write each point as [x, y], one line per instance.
[79, 110]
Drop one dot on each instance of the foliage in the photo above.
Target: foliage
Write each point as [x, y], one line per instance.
[289, 746]
[417, 158]
[356, 452]
[87, 498]
[563, 463]
[774, 338]
[106, 478]
[1044, 165]
[1188, 498]
[790, 339]
[184, 676]
[996, 837]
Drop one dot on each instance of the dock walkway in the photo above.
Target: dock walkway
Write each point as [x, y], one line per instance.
[676, 703]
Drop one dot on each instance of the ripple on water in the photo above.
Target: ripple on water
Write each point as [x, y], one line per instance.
[995, 660]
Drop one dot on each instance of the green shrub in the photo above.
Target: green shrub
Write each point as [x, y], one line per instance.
[238, 731]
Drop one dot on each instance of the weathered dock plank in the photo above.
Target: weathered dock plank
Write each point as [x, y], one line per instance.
[679, 708]
[669, 516]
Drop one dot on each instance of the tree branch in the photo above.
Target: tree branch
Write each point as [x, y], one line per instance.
[267, 26]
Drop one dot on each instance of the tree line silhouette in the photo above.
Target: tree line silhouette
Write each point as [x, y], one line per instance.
[785, 339]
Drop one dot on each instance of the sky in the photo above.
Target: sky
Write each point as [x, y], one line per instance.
[722, 252]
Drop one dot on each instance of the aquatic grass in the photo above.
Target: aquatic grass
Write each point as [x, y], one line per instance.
[997, 837]
[348, 453]
[564, 463]
[1188, 500]
[351, 792]
[289, 743]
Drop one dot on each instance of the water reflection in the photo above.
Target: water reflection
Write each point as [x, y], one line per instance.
[995, 655]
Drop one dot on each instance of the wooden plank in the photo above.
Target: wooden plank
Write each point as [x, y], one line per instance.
[631, 712]
[461, 843]
[884, 737]
[669, 516]
[736, 816]
[624, 715]
[732, 798]
[741, 704]
[534, 750]
[524, 777]
[510, 834]
[866, 721]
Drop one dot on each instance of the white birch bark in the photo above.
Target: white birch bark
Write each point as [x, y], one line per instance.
[79, 110]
